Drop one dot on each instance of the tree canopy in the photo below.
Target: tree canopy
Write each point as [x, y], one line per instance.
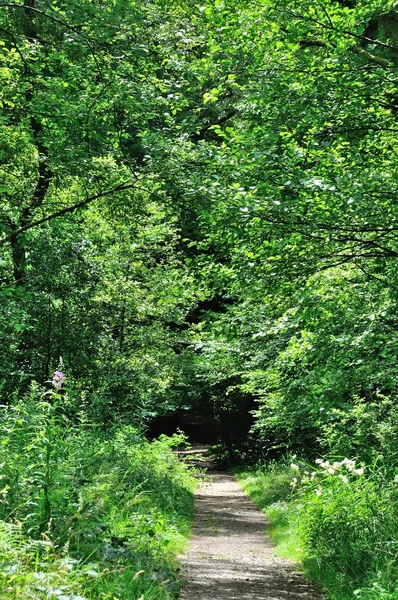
[198, 208]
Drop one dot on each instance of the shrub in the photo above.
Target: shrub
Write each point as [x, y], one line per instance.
[348, 525]
[338, 518]
[86, 513]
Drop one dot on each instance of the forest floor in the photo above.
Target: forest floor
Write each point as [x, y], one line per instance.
[231, 556]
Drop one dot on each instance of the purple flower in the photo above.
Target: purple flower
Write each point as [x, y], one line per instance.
[58, 379]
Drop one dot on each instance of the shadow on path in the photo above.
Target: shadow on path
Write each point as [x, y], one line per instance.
[230, 556]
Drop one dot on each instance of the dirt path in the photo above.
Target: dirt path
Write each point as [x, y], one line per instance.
[230, 556]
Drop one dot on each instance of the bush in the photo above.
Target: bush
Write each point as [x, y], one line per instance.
[338, 518]
[349, 528]
[87, 514]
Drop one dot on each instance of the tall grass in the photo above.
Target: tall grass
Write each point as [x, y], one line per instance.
[338, 518]
[87, 514]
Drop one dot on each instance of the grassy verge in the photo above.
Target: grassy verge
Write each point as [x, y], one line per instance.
[270, 488]
[337, 519]
[88, 515]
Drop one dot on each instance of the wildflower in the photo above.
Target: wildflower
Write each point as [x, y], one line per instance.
[318, 461]
[358, 472]
[58, 379]
[313, 475]
[331, 471]
[293, 483]
[318, 492]
[295, 467]
[396, 479]
[349, 464]
[344, 478]
[325, 464]
[80, 504]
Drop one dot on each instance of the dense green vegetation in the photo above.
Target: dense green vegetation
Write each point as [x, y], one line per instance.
[84, 513]
[338, 519]
[198, 218]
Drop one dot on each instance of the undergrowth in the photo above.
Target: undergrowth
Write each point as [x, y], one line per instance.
[87, 514]
[337, 518]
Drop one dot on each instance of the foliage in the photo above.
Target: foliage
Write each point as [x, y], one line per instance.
[337, 518]
[197, 216]
[269, 486]
[85, 513]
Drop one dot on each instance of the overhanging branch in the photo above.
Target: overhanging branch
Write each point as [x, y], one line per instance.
[40, 12]
[68, 209]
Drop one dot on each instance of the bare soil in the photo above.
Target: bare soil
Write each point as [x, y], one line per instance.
[230, 556]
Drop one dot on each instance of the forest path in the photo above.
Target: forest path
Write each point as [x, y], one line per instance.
[230, 556]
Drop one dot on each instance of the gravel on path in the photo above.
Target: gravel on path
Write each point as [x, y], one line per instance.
[230, 556]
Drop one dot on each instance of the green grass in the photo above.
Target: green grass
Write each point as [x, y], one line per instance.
[339, 525]
[271, 491]
[87, 514]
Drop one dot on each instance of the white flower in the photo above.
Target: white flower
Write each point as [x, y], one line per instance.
[325, 464]
[350, 464]
[344, 478]
[293, 483]
[318, 461]
[318, 492]
[396, 479]
[295, 467]
[358, 471]
[313, 475]
[331, 471]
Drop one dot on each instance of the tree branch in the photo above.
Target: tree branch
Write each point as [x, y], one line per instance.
[66, 210]
[331, 27]
[381, 279]
[74, 28]
[40, 12]
[372, 57]
[382, 62]
[201, 134]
